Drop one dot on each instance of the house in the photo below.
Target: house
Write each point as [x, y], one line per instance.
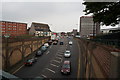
[39, 29]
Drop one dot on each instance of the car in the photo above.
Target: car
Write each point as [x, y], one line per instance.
[46, 45]
[55, 43]
[43, 48]
[50, 42]
[30, 62]
[67, 54]
[77, 36]
[66, 67]
[61, 43]
[39, 53]
[70, 42]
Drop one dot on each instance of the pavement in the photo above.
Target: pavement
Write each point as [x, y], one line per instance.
[49, 64]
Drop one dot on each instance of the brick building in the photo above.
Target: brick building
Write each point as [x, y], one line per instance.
[88, 27]
[39, 29]
[13, 28]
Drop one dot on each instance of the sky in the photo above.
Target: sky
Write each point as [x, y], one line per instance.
[60, 15]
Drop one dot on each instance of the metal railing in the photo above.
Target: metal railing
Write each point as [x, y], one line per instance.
[110, 42]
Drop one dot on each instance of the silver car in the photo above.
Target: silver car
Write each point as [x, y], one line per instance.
[67, 53]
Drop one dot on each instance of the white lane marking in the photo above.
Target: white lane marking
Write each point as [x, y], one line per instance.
[48, 52]
[50, 70]
[59, 58]
[50, 46]
[56, 61]
[60, 51]
[59, 55]
[44, 76]
[54, 65]
[78, 73]
[17, 69]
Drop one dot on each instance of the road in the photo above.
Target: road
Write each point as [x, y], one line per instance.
[49, 64]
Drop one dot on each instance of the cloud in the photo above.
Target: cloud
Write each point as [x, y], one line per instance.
[42, 0]
[62, 15]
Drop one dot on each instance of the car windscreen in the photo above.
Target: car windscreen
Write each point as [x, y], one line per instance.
[66, 66]
[39, 51]
[67, 52]
[29, 60]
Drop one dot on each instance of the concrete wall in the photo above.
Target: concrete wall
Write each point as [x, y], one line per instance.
[13, 52]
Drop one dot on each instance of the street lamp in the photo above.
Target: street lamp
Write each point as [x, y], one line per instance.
[6, 54]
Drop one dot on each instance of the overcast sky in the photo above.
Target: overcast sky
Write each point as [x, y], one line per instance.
[61, 15]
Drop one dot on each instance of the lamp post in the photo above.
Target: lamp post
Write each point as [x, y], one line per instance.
[93, 29]
[6, 54]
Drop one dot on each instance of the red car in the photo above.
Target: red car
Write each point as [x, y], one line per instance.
[55, 43]
[30, 61]
[66, 67]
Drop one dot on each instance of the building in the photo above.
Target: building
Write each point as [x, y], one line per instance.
[39, 29]
[74, 32]
[88, 27]
[63, 34]
[69, 33]
[13, 28]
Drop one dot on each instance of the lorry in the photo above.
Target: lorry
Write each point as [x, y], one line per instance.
[53, 37]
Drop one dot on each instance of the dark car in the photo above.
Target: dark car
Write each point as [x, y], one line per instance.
[50, 42]
[30, 61]
[61, 43]
[55, 43]
[43, 48]
[66, 67]
[39, 53]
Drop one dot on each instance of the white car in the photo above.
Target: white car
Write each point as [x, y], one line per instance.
[77, 36]
[67, 53]
[70, 42]
[46, 45]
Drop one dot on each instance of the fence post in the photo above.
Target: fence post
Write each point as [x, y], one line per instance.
[115, 65]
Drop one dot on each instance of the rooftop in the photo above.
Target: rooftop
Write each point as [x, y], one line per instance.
[86, 17]
[39, 23]
[13, 22]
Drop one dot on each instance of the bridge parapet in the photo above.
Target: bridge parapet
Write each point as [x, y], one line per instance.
[99, 61]
[15, 51]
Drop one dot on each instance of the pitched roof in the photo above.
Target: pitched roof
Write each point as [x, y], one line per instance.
[39, 23]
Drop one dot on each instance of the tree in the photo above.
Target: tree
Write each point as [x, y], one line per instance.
[106, 13]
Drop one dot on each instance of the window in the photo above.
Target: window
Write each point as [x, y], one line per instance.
[3, 25]
[2, 31]
[3, 28]
[20, 29]
[14, 26]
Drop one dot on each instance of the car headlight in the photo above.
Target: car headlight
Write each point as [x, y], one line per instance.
[68, 70]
